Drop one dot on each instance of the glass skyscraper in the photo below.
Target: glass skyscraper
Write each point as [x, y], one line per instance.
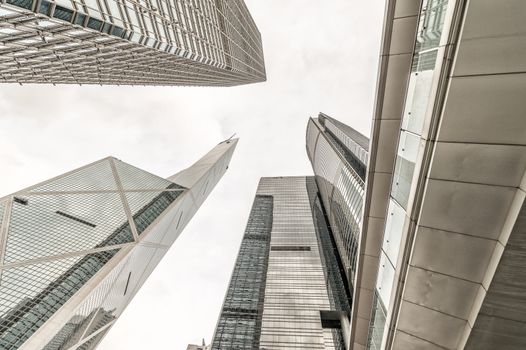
[124, 42]
[286, 290]
[292, 283]
[76, 248]
[338, 154]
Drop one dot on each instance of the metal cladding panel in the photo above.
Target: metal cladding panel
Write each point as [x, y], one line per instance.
[211, 43]
[76, 248]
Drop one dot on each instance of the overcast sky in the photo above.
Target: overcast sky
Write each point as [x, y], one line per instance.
[319, 56]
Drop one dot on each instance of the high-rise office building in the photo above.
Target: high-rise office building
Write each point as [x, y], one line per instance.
[292, 284]
[124, 42]
[338, 154]
[76, 248]
[444, 208]
[287, 290]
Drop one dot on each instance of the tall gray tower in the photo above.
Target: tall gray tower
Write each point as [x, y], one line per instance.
[125, 42]
[76, 249]
[286, 291]
[292, 284]
[338, 154]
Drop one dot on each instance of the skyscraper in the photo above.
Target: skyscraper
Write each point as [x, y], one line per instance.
[76, 248]
[292, 284]
[444, 206]
[338, 154]
[286, 290]
[124, 42]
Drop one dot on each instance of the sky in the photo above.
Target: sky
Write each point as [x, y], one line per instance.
[320, 56]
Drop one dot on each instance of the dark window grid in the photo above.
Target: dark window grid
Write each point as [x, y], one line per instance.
[245, 295]
[347, 227]
[25, 4]
[145, 216]
[63, 13]
[340, 295]
[22, 322]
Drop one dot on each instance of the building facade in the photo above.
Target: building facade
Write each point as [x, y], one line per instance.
[124, 42]
[76, 248]
[287, 289]
[444, 194]
[338, 154]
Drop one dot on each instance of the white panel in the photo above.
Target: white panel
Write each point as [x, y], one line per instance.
[369, 272]
[485, 109]
[440, 292]
[507, 18]
[374, 234]
[404, 341]
[491, 55]
[398, 68]
[380, 194]
[403, 35]
[478, 210]
[502, 165]
[406, 8]
[495, 45]
[452, 254]
[436, 327]
[389, 132]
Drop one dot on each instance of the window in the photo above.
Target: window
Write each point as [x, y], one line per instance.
[290, 248]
